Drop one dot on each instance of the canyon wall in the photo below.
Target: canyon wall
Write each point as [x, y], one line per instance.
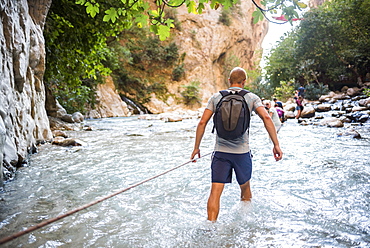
[213, 48]
[23, 121]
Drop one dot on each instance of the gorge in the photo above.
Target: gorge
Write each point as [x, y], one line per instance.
[24, 121]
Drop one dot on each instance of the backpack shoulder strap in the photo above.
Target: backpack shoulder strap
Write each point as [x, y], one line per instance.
[243, 92]
[224, 92]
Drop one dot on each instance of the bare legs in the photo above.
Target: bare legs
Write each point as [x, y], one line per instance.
[246, 193]
[298, 114]
[213, 206]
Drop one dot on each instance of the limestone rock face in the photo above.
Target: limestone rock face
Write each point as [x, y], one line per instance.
[23, 120]
[213, 49]
[109, 103]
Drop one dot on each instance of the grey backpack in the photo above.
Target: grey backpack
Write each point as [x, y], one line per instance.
[232, 116]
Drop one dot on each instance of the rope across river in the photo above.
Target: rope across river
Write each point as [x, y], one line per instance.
[49, 221]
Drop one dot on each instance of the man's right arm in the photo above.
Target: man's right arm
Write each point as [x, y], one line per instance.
[270, 127]
[207, 114]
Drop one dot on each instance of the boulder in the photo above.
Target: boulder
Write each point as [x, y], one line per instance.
[364, 102]
[60, 110]
[344, 89]
[351, 132]
[60, 133]
[355, 91]
[109, 103]
[308, 112]
[67, 118]
[331, 122]
[289, 115]
[58, 124]
[290, 107]
[358, 108]
[88, 128]
[364, 118]
[174, 119]
[93, 114]
[323, 107]
[327, 98]
[60, 141]
[77, 117]
[340, 96]
[344, 119]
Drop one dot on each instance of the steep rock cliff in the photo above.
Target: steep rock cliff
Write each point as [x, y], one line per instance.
[109, 103]
[23, 120]
[213, 48]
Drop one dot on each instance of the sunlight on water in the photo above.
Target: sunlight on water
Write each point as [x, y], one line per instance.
[317, 196]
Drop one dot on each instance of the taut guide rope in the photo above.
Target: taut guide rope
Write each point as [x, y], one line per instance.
[49, 221]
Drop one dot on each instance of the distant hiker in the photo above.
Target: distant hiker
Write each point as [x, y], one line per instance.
[301, 91]
[280, 104]
[281, 113]
[233, 154]
[274, 115]
[299, 107]
[280, 110]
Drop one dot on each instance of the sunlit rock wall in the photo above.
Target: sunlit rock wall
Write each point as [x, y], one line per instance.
[213, 48]
[108, 102]
[23, 120]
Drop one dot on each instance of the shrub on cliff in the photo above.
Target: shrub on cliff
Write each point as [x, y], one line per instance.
[190, 93]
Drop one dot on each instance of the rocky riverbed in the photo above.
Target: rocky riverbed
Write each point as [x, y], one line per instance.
[348, 108]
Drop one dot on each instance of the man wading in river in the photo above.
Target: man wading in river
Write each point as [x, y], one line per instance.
[233, 154]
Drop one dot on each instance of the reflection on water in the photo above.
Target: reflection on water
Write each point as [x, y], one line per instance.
[317, 196]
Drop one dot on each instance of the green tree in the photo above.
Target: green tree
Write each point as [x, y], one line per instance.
[78, 33]
[282, 64]
[143, 64]
[329, 46]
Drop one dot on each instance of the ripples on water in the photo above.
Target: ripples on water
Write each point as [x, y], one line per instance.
[317, 196]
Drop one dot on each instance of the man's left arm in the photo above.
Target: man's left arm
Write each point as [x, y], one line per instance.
[270, 127]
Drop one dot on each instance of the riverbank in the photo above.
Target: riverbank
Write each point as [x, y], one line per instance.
[316, 196]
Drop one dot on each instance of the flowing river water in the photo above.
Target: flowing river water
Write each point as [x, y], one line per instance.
[317, 196]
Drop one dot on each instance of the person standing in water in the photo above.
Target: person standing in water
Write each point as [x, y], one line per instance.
[234, 154]
[299, 106]
[274, 115]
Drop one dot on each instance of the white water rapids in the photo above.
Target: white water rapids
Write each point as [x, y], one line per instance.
[317, 196]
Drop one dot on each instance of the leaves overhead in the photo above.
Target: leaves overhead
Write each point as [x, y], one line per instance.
[287, 8]
[77, 34]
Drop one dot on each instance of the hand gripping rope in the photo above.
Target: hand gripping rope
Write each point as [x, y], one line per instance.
[49, 221]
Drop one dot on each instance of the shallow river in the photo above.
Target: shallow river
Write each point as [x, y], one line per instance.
[317, 196]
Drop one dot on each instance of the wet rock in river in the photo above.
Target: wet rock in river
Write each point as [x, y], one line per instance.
[61, 141]
[77, 117]
[308, 112]
[351, 132]
[67, 118]
[355, 91]
[364, 102]
[323, 107]
[60, 133]
[331, 122]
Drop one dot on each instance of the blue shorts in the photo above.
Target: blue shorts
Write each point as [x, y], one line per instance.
[223, 163]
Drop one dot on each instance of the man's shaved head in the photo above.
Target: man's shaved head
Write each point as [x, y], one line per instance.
[237, 75]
